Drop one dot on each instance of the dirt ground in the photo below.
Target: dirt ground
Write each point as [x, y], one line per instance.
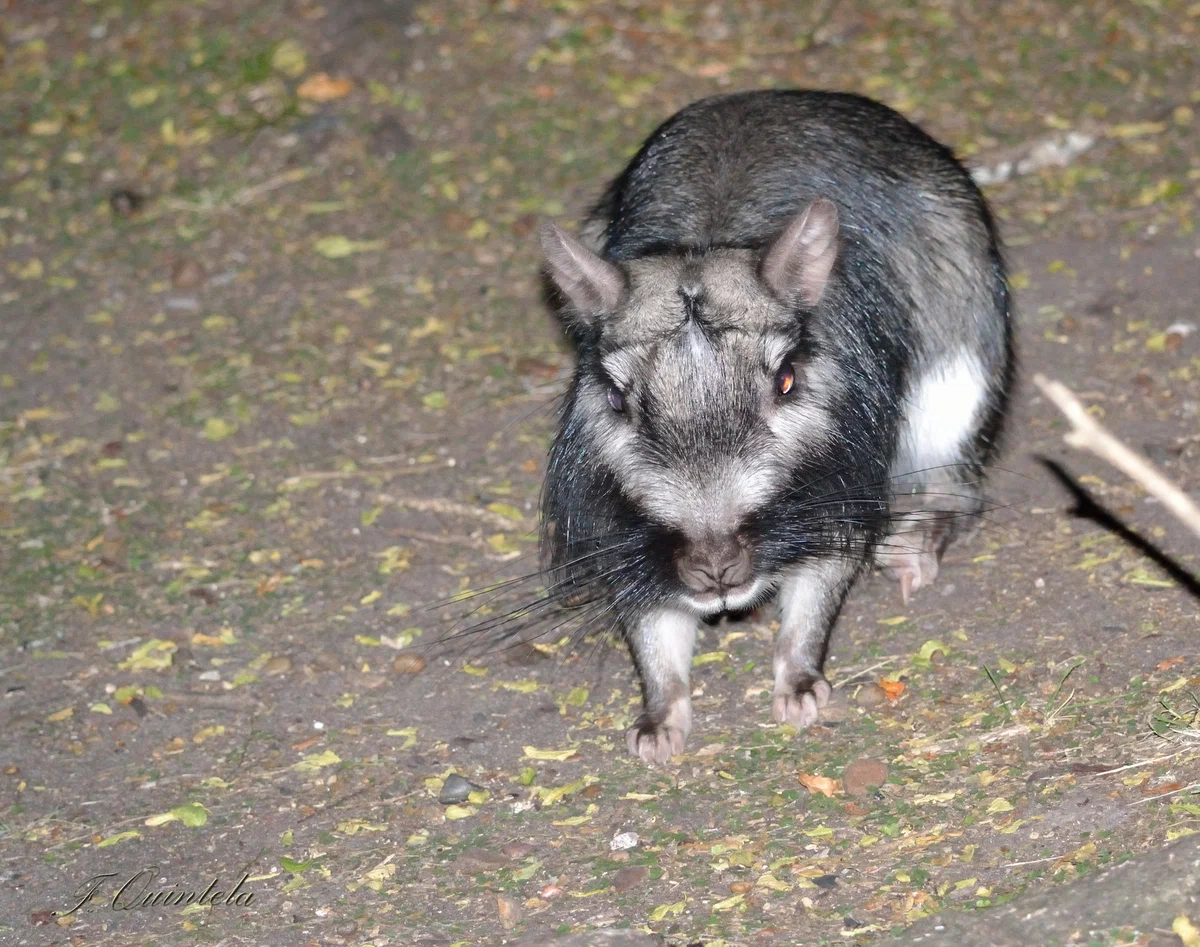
[276, 378]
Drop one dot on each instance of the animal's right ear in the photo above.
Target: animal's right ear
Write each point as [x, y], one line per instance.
[591, 285]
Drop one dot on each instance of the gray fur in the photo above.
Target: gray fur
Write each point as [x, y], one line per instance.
[785, 308]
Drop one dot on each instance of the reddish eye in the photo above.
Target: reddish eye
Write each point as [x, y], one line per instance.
[616, 400]
[785, 379]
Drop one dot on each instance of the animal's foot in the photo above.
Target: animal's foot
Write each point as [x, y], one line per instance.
[913, 570]
[655, 742]
[800, 705]
[912, 553]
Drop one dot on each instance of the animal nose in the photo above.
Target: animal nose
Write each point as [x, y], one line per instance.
[715, 564]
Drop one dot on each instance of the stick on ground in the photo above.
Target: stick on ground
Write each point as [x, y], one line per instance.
[1087, 434]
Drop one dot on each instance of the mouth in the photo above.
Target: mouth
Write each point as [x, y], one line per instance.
[740, 598]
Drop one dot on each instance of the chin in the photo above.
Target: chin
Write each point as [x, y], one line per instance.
[744, 598]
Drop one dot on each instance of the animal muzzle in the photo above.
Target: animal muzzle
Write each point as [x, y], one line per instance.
[716, 564]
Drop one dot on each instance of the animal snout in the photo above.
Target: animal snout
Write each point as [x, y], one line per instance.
[716, 564]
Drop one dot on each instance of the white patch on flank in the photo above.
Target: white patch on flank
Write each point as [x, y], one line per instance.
[941, 415]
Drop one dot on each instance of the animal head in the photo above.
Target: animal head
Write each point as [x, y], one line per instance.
[701, 391]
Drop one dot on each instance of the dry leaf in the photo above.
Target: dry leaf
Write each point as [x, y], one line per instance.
[324, 88]
[820, 784]
[893, 689]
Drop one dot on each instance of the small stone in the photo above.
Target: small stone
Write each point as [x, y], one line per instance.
[346, 928]
[825, 881]
[741, 887]
[390, 138]
[837, 710]
[860, 775]
[455, 790]
[629, 877]
[280, 664]
[871, 695]
[516, 849]
[623, 841]
[598, 938]
[510, 912]
[125, 202]
[187, 274]
[524, 655]
[480, 859]
[550, 892]
[327, 661]
[591, 792]
[408, 662]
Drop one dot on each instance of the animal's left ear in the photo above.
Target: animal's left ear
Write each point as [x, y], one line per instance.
[798, 263]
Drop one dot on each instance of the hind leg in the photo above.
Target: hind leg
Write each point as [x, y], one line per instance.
[937, 477]
[912, 552]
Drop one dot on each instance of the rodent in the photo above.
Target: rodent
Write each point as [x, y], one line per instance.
[795, 357]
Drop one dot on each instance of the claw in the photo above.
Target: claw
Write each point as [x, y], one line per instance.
[906, 585]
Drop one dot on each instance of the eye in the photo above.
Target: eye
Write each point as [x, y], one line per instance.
[616, 400]
[785, 379]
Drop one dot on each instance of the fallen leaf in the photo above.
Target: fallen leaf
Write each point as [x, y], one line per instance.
[893, 689]
[289, 58]
[322, 87]
[660, 912]
[535, 754]
[820, 784]
[337, 246]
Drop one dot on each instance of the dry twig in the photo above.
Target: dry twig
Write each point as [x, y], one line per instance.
[1087, 434]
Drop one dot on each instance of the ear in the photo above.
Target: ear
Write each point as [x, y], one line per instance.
[591, 285]
[799, 261]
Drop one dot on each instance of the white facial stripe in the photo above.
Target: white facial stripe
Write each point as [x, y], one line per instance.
[713, 501]
[775, 349]
[621, 367]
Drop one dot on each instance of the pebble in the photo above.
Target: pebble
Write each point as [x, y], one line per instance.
[481, 859]
[390, 138]
[327, 661]
[516, 849]
[455, 790]
[599, 938]
[862, 774]
[623, 841]
[187, 274]
[550, 892]
[408, 662]
[280, 664]
[629, 877]
[741, 887]
[346, 928]
[871, 695]
[510, 912]
[837, 710]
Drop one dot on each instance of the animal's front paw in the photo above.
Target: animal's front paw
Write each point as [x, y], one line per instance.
[800, 705]
[654, 742]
